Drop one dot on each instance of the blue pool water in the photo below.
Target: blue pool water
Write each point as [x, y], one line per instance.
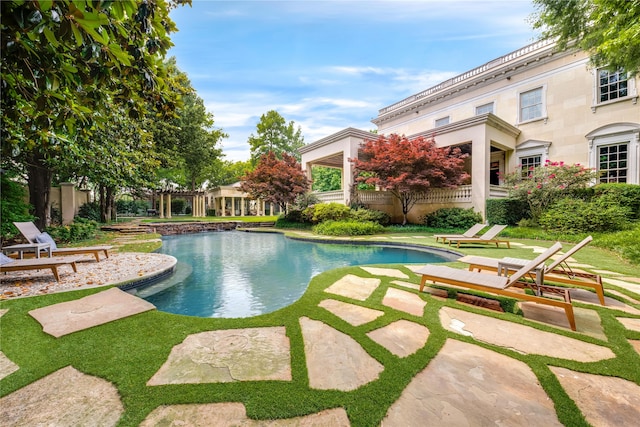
[238, 274]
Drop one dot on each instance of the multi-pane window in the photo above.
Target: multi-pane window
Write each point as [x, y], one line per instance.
[613, 162]
[442, 121]
[486, 108]
[531, 105]
[612, 85]
[528, 164]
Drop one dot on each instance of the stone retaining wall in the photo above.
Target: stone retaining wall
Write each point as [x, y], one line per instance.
[168, 229]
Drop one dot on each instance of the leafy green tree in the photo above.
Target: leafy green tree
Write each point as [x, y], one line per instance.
[13, 207]
[225, 172]
[608, 29]
[277, 136]
[64, 64]
[197, 141]
[326, 179]
[275, 180]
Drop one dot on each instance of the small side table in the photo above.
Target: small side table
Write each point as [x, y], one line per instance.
[28, 247]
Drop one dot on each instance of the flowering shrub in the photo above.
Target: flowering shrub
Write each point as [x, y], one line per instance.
[545, 185]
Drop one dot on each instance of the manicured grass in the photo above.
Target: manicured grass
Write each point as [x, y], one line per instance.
[129, 351]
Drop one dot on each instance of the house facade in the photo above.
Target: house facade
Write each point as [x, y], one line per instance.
[520, 110]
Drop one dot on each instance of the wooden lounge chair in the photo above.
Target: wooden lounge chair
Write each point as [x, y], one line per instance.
[33, 235]
[502, 284]
[487, 238]
[472, 232]
[8, 264]
[558, 271]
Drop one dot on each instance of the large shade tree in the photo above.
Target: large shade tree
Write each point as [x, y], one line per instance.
[409, 168]
[274, 134]
[275, 180]
[64, 64]
[608, 29]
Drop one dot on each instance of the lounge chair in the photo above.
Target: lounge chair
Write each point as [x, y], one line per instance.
[488, 237]
[8, 264]
[33, 235]
[472, 232]
[502, 284]
[558, 271]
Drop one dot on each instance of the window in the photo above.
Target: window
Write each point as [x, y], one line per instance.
[613, 162]
[442, 121]
[612, 85]
[531, 105]
[485, 108]
[614, 151]
[528, 164]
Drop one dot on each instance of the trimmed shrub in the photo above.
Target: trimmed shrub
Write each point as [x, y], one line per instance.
[625, 195]
[90, 211]
[577, 216]
[362, 214]
[327, 212]
[13, 207]
[347, 228]
[453, 218]
[305, 200]
[177, 206]
[507, 211]
[79, 229]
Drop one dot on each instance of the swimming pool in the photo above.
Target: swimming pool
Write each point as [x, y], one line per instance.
[237, 274]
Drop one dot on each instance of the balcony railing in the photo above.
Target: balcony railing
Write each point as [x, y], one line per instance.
[462, 194]
[330, 196]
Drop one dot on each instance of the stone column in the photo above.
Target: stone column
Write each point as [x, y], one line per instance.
[168, 205]
[67, 202]
[161, 212]
[242, 203]
[224, 206]
[203, 207]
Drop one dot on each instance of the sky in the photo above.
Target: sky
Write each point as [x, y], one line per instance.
[332, 64]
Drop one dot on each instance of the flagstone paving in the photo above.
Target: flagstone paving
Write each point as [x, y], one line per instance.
[630, 323]
[7, 367]
[93, 310]
[353, 314]
[401, 338]
[66, 397]
[335, 361]
[467, 385]
[521, 338]
[404, 301]
[235, 415]
[355, 287]
[226, 356]
[389, 272]
[604, 401]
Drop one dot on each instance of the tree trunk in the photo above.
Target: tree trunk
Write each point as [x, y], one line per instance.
[39, 179]
[103, 203]
[109, 202]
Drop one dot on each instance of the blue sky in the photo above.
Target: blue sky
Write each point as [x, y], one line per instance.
[332, 64]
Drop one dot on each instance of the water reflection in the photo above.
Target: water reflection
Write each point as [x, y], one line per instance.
[237, 274]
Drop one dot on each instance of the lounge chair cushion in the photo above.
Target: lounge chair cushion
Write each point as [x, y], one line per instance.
[5, 259]
[46, 238]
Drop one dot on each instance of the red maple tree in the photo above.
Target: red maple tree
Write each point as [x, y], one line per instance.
[408, 168]
[276, 181]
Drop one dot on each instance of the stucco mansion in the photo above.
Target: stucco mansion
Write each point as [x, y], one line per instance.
[526, 107]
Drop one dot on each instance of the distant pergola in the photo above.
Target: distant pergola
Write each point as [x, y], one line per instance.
[198, 202]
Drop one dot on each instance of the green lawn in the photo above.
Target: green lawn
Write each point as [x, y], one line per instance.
[129, 351]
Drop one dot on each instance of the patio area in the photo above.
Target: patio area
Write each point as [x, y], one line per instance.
[362, 347]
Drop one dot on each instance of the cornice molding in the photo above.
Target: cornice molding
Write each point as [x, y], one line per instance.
[345, 133]
[501, 68]
[482, 119]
